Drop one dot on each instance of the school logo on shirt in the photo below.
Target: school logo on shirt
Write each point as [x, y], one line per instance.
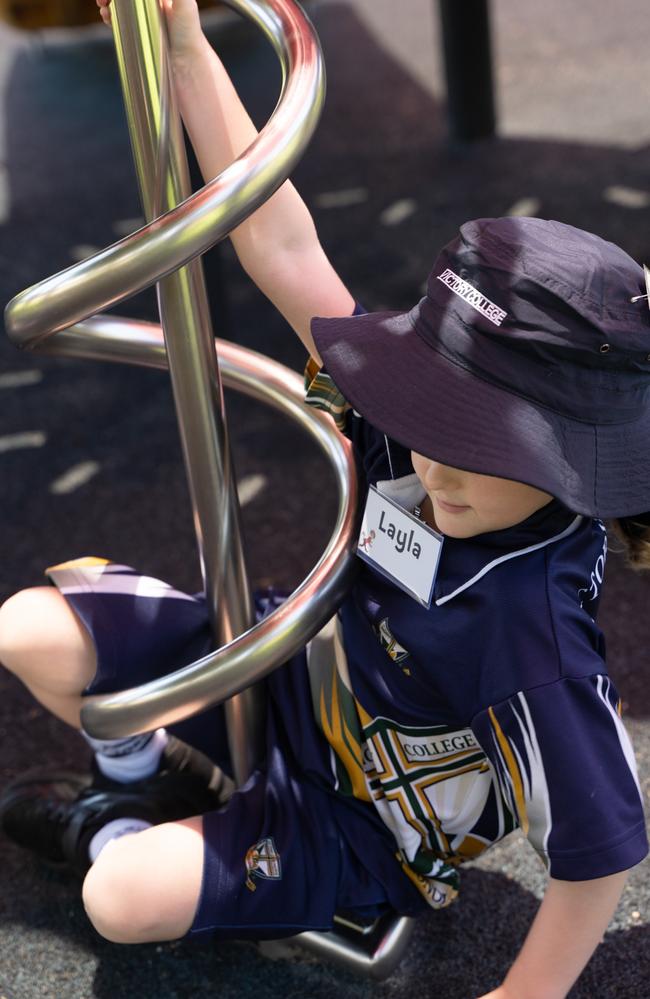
[262, 861]
[388, 641]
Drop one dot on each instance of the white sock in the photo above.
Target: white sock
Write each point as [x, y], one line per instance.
[131, 759]
[113, 830]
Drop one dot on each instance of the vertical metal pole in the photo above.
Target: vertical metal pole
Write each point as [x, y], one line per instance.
[468, 69]
[140, 34]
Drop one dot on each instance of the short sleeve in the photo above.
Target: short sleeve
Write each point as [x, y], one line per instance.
[322, 393]
[566, 771]
[379, 458]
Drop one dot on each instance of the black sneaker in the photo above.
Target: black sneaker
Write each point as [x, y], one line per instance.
[56, 814]
[180, 758]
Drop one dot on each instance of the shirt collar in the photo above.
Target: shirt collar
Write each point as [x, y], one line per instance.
[464, 561]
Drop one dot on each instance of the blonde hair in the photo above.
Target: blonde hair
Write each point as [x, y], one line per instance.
[634, 532]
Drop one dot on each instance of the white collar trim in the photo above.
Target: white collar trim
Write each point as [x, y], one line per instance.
[573, 526]
[408, 492]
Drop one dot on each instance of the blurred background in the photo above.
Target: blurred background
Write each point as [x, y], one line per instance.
[89, 455]
[35, 14]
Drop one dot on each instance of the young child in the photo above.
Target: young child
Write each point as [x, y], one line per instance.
[499, 419]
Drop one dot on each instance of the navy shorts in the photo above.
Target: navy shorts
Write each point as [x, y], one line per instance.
[275, 860]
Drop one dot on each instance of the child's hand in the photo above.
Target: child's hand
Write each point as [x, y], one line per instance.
[185, 32]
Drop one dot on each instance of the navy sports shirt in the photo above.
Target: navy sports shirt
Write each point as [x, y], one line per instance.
[491, 709]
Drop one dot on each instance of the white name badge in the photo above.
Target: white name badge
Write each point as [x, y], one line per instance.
[400, 546]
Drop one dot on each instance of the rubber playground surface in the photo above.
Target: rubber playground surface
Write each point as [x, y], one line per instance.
[89, 456]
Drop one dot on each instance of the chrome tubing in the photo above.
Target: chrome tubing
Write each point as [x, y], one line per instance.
[374, 954]
[140, 35]
[169, 242]
[253, 655]
[69, 301]
[188, 227]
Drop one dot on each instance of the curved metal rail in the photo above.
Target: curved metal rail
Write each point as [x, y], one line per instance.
[187, 227]
[154, 253]
[160, 248]
[256, 653]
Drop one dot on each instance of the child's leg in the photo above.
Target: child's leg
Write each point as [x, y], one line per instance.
[44, 644]
[145, 887]
[137, 782]
[270, 862]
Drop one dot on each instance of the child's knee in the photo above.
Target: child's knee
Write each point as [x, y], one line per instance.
[115, 900]
[17, 625]
[42, 641]
[133, 894]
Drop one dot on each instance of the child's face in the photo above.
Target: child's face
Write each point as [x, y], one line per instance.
[463, 504]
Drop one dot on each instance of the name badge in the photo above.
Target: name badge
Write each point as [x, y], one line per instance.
[401, 547]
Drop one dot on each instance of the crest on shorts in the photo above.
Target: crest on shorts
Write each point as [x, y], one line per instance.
[262, 861]
[388, 641]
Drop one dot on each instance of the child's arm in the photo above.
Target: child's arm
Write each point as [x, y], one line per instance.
[567, 929]
[278, 245]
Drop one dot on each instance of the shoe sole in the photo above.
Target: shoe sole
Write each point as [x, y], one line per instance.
[11, 792]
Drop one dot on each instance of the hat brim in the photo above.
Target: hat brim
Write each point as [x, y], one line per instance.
[427, 403]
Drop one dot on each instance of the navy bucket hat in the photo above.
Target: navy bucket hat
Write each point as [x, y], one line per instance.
[526, 359]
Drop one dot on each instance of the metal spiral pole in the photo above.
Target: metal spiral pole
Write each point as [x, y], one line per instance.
[140, 34]
[60, 316]
[165, 251]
